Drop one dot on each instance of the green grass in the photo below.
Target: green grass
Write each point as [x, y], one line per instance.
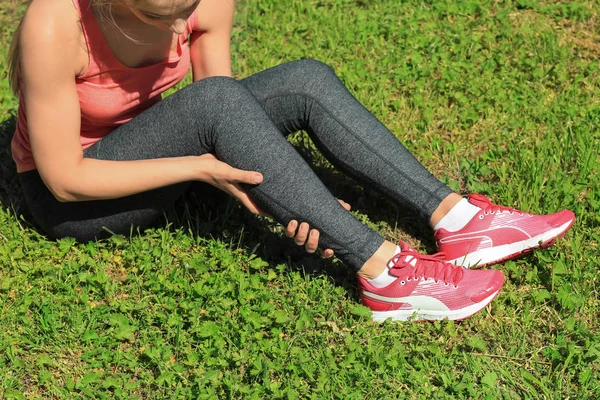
[496, 97]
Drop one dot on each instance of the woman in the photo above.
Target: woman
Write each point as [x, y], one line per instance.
[98, 150]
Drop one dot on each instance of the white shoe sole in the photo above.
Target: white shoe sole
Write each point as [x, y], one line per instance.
[433, 315]
[504, 252]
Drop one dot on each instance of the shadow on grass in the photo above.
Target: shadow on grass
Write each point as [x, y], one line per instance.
[210, 213]
[11, 196]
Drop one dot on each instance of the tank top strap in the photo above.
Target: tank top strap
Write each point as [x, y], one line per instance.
[192, 22]
[98, 50]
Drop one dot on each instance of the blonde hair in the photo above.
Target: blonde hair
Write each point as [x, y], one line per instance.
[14, 52]
[103, 9]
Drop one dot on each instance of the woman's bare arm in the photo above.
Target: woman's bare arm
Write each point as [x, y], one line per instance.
[210, 41]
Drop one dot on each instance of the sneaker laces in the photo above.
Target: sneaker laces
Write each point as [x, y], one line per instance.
[428, 267]
[495, 208]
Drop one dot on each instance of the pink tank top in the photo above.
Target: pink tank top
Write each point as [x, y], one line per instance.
[110, 93]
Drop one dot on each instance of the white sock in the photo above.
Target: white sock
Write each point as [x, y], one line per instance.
[458, 216]
[385, 278]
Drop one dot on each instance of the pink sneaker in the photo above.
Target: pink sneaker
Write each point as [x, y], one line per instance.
[497, 234]
[428, 288]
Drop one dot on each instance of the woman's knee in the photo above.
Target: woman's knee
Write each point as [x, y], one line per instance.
[218, 96]
[312, 67]
[216, 88]
[311, 75]
[215, 83]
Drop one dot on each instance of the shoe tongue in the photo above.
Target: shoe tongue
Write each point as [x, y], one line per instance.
[405, 259]
[405, 247]
[409, 260]
[479, 200]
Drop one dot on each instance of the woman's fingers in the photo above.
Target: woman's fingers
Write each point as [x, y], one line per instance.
[344, 204]
[249, 204]
[249, 177]
[229, 179]
[290, 229]
[224, 172]
[240, 194]
[302, 234]
[312, 243]
[309, 238]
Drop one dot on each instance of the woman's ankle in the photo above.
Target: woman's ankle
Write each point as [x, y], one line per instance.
[445, 206]
[378, 262]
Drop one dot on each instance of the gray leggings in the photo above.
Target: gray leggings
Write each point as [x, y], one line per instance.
[244, 124]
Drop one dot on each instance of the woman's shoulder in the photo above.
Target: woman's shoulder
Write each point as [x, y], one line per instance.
[52, 28]
[214, 15]
[52, 16]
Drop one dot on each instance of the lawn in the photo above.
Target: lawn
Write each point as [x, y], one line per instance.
[501, 98]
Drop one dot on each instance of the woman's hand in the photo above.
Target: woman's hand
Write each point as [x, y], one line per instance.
[229, 179]
[223, 176]
[309, 238]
